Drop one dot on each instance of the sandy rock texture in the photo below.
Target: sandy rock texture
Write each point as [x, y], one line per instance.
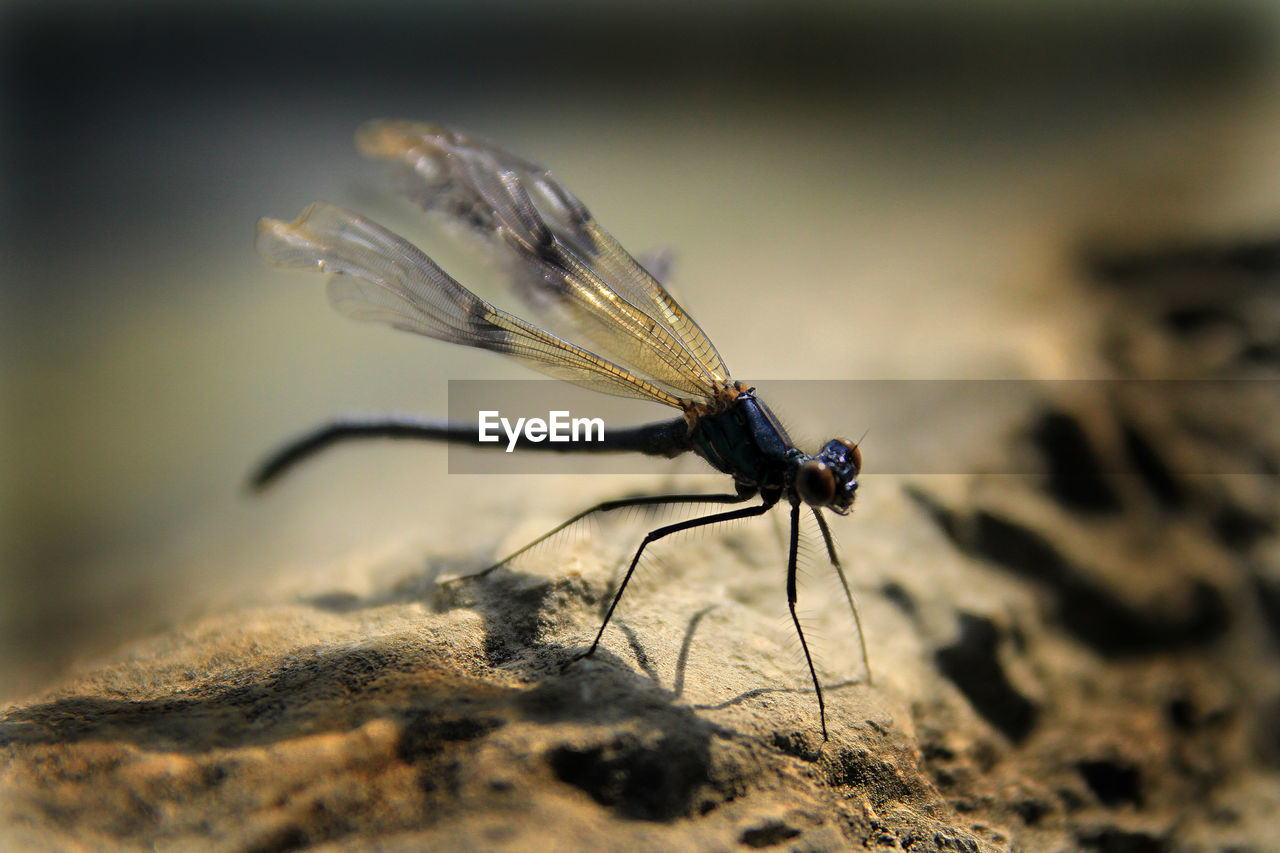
[1085, 659]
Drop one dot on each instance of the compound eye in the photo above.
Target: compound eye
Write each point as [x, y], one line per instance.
[816, 483]
[853, 454]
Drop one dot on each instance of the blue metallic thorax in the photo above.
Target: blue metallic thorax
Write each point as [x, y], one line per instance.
[747, 442]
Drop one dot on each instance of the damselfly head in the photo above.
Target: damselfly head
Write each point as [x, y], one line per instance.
[830, 478]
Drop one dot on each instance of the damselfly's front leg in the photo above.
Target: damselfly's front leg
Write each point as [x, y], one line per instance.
[835, 562]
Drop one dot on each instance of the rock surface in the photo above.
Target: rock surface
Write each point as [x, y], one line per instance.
[1084, 660]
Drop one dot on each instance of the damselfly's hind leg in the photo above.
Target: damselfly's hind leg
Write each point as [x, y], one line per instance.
[662, 532]
[608, 506]
[853, 608]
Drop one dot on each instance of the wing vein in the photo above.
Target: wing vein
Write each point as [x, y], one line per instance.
[379, 276]
[564, 264]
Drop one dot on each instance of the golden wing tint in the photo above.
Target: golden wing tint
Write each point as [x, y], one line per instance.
[380, 276]
[562, 263]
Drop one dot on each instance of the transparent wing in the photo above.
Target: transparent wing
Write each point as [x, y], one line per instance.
[657, 263]
[565, 266]
[381, 277]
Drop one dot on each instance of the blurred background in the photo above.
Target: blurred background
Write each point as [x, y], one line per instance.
[852, 190]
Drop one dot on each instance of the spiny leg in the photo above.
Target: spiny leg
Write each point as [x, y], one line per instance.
[608, 506]
[655, 535]
[791, 603]
[835, 561]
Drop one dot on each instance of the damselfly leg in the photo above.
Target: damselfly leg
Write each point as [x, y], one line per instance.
[606, 506]
[834, 557]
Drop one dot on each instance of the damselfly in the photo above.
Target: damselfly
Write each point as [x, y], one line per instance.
[637, 341]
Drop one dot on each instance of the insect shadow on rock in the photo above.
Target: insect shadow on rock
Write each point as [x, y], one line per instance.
[636, 340]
